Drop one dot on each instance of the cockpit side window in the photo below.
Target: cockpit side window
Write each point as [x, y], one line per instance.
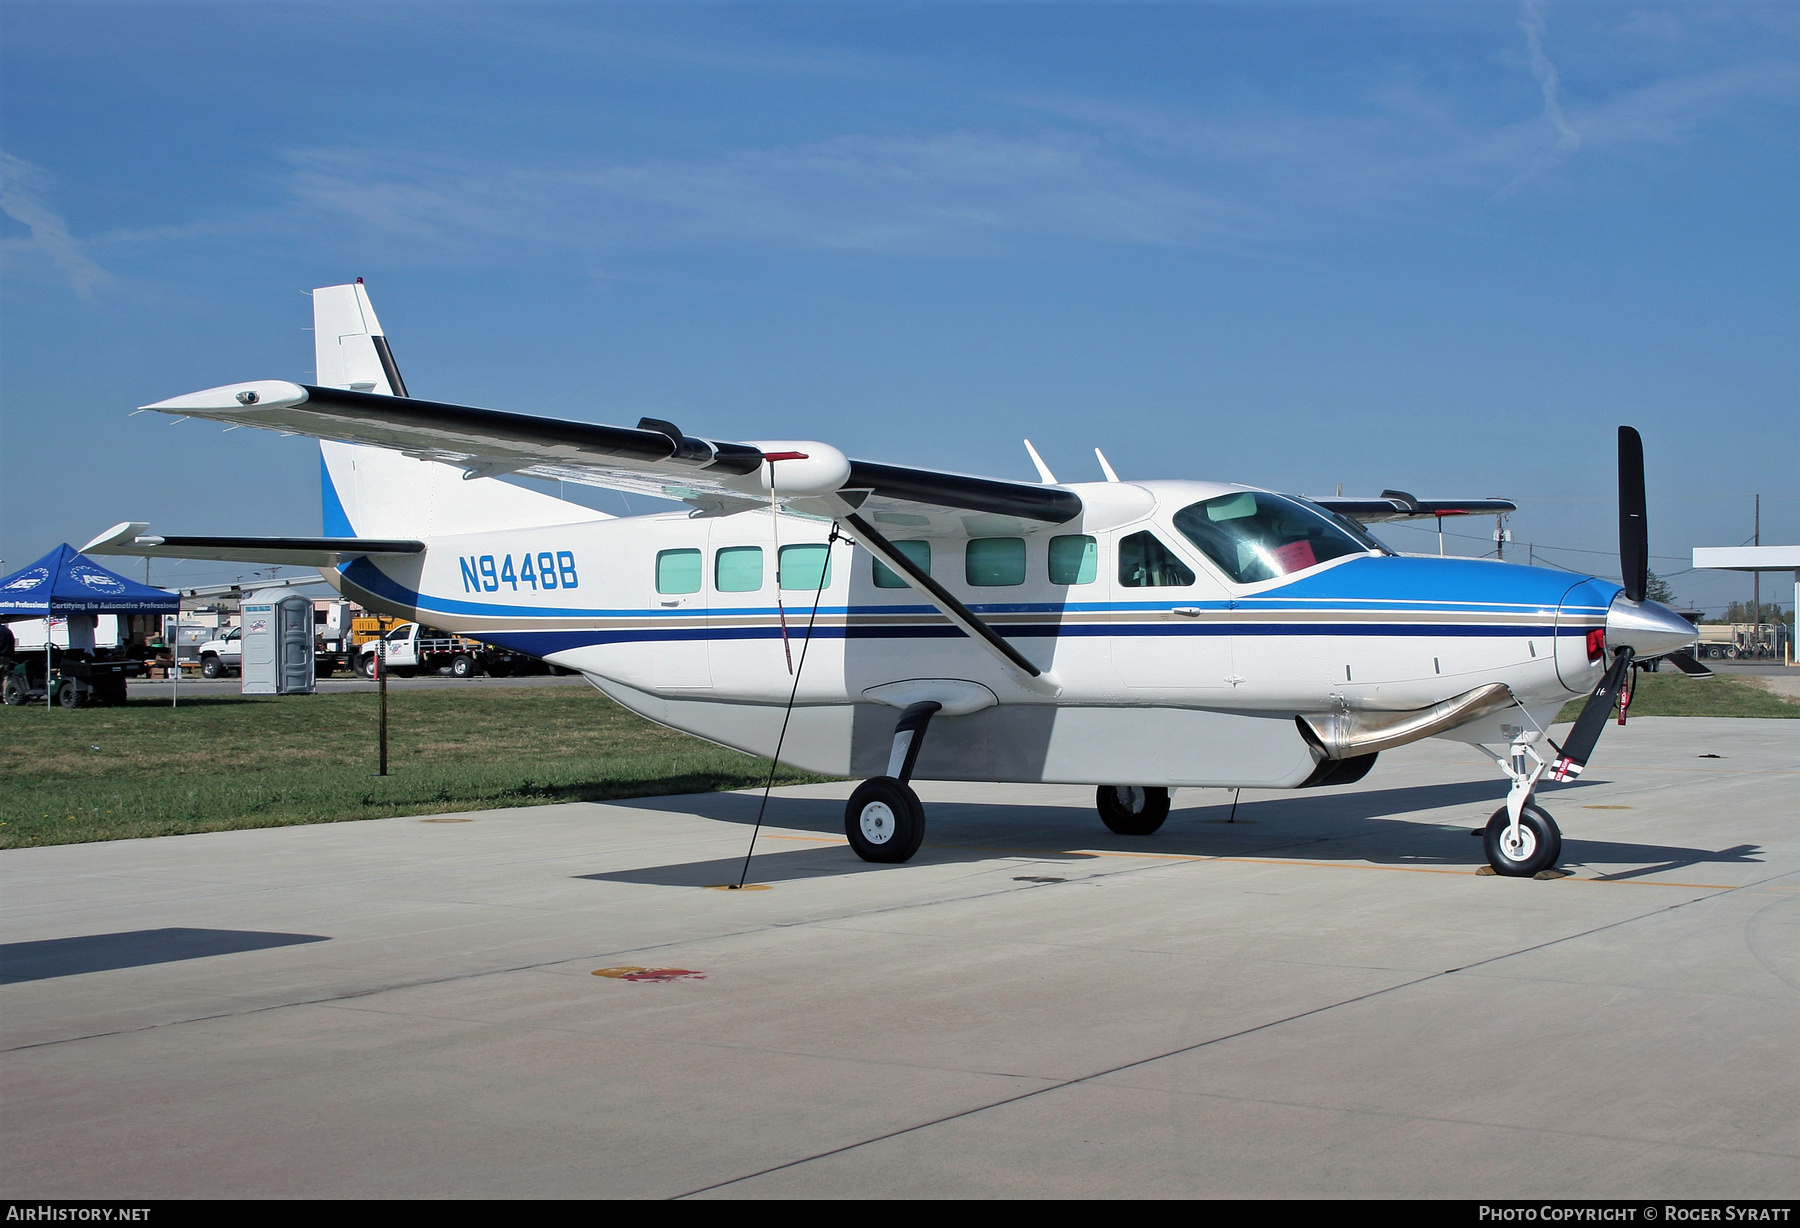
[1254, 536]
[1145, 562]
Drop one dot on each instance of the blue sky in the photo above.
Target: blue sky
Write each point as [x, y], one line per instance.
[1441, 247]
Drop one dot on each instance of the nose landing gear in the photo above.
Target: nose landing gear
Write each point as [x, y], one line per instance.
[1521, 839]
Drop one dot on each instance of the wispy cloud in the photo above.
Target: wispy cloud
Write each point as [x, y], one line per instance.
[929, 192]
[1567, 139]
[23, 188]
[1035, 171]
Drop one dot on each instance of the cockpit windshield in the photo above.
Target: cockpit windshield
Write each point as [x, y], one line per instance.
[1255, 536]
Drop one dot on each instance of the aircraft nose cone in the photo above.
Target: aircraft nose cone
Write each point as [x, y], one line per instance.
[1648, 628]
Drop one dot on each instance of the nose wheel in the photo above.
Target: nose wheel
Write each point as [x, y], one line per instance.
[1538, 845]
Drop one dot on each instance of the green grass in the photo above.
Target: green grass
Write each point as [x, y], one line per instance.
[222, 762]
[1670, 694]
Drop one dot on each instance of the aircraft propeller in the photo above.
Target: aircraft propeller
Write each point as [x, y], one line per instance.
[1638, 619]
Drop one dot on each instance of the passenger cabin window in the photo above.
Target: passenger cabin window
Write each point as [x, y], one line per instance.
[677, 571]
[917, 553]
[994, 562]
[738, 569]
[1253, 535]
[1074, 559]
[1145, 562]
[805, 567]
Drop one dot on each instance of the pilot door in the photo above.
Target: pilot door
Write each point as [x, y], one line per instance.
[1171, 621]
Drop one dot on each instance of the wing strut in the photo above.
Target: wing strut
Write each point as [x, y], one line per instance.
[866, 536]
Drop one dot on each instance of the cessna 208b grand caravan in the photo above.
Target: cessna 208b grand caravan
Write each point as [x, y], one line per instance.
[1135, 636]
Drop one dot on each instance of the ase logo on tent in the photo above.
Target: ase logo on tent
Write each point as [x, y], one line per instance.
[31, 579]
[94, 578]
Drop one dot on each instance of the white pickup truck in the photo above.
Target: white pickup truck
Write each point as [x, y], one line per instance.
[224, 656]
[411, 648]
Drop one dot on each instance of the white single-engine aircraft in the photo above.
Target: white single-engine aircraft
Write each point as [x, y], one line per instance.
[1137, 636]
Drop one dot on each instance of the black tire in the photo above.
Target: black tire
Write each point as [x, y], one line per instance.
[212, 667]
[365, 665]
[1132, 810]
[17, 691]
[69, 695]
[462, 665]
[884, 820]
[1540, 841]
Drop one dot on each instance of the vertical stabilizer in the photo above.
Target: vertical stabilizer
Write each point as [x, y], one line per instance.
[349, 347]
[372, 492]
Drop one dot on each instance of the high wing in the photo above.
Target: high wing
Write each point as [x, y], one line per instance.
[654, 458]
[1398, 505]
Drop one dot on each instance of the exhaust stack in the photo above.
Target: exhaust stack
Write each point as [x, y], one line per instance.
[1345, 735]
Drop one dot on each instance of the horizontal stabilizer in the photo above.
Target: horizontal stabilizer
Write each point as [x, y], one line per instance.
[131, 539]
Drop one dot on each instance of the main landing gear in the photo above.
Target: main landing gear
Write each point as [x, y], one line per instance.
[1132, 810]
[885, 819]
[1521, 839]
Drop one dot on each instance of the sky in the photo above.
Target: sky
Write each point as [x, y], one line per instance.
[1439, 247]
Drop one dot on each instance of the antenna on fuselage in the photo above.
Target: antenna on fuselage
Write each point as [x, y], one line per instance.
[1106, 466]
[1044, 474]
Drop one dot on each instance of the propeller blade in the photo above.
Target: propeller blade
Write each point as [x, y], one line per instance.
[1688, 664]
[1580, 743]
[1634, 529]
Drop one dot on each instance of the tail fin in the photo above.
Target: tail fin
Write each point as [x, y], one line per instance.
[350, 349]
[373, 492]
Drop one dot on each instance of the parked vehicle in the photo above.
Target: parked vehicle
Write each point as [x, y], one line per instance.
[334, 644]
[1739, 641]
[411, 649]
[71, 678]
[223, 657]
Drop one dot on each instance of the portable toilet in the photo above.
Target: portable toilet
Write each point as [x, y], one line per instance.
[278, 643]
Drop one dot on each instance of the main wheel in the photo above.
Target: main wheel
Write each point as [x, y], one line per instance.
[70, 696]
[1132, 810]
[1539, 846]
[212, 667]
[17, 691]
[365, 665]
[884, 820]
[462, 665]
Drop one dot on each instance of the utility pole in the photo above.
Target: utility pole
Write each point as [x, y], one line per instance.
[1756, 576]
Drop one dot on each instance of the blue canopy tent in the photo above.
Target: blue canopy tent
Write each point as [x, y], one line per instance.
[66, 583]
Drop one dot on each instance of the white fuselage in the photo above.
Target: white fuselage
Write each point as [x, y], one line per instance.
[681, 619]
